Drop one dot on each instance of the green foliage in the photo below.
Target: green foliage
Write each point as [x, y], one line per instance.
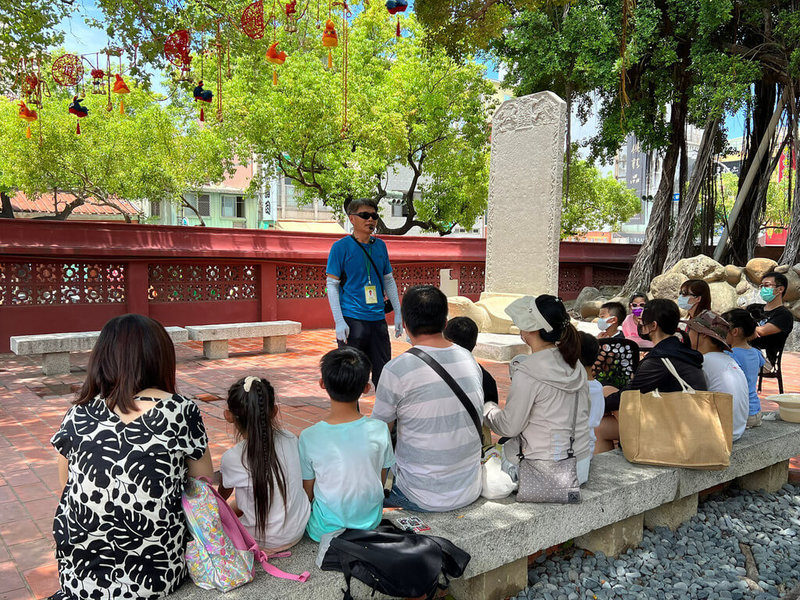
[595, 202]
[407, 105]
[150, 152]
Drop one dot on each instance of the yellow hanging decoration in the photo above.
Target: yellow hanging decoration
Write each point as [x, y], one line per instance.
[28, 132]
[122, 107]
[330, 39]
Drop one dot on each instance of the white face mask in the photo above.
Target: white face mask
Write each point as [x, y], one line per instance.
[683, 302]
[603, 324]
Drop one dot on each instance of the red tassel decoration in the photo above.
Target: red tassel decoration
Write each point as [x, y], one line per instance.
[202, 114]
[398, 27]
[78, 129]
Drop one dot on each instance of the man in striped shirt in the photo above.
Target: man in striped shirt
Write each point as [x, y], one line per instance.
[438, 450]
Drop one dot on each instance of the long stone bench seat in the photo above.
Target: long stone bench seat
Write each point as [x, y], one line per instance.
[55, 347]
[215, 337]
[618, 500]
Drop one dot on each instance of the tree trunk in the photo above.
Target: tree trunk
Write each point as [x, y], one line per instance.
[7, 211]
[737, 251]
[682, 239]
[791, 253]
[653, 251]
[186, 204]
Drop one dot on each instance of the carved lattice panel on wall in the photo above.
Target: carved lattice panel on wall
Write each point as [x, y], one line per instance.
[570, 281]
[32, 283]
[301, 281]
[407, 276]
[201, 282]
[471, 279]
[605, 276]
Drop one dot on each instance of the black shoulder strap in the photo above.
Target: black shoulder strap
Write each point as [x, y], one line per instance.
[378, 274]
[448, 379]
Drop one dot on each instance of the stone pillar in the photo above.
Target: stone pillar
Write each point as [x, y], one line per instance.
[215, 349]
[672, 514]
[55, 363]
[275, 344]
[769, 479]
[524, 214]
[501, 582]
[615, 538]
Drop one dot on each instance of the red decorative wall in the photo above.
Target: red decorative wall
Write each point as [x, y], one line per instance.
[74, 276]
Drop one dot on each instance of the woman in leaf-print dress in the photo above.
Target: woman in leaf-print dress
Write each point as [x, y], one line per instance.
[126, 448]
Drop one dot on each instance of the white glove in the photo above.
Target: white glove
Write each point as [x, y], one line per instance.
[390, 287]
[398, 325]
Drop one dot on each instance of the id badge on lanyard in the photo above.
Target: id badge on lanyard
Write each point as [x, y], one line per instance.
[370, 294]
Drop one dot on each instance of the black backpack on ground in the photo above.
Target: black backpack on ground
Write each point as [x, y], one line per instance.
[395, 562]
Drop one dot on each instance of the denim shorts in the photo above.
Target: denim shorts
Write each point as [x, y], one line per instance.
[397, 499]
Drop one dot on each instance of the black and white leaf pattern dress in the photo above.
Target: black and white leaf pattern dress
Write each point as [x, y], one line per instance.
[119, 529]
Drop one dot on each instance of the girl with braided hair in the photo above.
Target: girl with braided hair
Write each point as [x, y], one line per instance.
[263, 468]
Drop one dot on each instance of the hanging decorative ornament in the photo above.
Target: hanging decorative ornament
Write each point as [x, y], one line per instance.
[276, 58]
[330, 39]
[253, 20]
[79, 111]
[394, 7]
[29, 115]
[177, 51]
[201, 95]
[67, 70]
[220, 54]
[120, 87]
[98, 75]
[109, 104]
[291, 17]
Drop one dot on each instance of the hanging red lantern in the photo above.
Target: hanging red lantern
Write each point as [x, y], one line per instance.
[253, 20]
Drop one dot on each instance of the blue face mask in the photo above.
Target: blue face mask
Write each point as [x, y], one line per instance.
[603, 324]
[683, 302]
[767, 294]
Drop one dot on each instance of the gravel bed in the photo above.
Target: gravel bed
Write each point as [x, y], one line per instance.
[740, 545]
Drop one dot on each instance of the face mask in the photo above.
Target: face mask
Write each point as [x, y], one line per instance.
[603, 324]
[683, 302]
[637, 312]
[644, 336]
[767, 294]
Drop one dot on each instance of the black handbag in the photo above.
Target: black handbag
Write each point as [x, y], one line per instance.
[395, 562]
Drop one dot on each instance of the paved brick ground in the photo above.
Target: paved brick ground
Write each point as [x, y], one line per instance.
[31, 408]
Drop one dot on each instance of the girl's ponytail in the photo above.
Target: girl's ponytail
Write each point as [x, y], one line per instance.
[252, 402]
[564, 334]
[569, 345]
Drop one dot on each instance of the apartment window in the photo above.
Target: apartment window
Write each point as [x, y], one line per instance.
[233, 207]
[399, 209]
[155, 208]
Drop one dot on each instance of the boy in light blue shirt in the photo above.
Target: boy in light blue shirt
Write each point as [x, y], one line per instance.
[345, 457]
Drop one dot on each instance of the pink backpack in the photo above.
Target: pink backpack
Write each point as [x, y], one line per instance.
[220, 554]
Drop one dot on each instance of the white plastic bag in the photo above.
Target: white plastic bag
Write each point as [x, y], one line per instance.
[495, 483]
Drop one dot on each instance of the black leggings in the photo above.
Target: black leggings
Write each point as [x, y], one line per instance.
[372, 338]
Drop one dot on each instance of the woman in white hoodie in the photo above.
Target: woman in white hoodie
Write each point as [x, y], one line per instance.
[544, 387]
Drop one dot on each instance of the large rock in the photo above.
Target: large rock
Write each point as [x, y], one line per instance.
[667, 285]
[723, 296]
[782, 268]
[795, 308]
[495, 306]
[793, 341]
[591, 309]
[586, 294]
[733, 274]
[796, 268]
[700, 267]
[756, 268]
[744, 285]
[459, 306]
[749, 296]
[793, 290]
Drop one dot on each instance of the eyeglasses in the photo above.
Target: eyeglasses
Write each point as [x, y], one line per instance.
[767, 285]
[689, 294]
[637, 304]
[367, 215]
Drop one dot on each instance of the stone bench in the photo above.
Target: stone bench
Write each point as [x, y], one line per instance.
[617, 502]
[215, 337]
[55, 347]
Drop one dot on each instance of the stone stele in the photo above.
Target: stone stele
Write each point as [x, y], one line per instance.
[524, 214]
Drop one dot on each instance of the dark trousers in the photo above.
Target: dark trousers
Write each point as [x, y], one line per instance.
[372, 338]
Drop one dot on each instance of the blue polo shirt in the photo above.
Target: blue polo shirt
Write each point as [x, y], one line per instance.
[346, 257]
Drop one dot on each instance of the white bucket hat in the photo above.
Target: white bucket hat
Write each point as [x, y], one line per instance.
[526, 316]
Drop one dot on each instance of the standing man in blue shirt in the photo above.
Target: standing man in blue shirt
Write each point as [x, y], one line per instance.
[359, 275]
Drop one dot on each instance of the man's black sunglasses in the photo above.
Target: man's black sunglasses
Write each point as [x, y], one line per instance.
[367, 215]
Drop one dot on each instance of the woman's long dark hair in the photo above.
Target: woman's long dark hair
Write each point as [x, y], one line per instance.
[257, 422]
[133, 353]
[698, 287]
[564, 334]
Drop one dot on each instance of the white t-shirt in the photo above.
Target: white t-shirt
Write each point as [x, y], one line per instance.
[597, 409]
[724, 374]
[438, 449]
[284, 528]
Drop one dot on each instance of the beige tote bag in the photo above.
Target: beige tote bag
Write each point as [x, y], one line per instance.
[689, 429]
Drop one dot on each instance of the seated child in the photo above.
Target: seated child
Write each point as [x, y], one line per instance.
[464, 332]
[263, 468]
[750, 359]
[345, 457]
[590, 348]
[612, 314]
